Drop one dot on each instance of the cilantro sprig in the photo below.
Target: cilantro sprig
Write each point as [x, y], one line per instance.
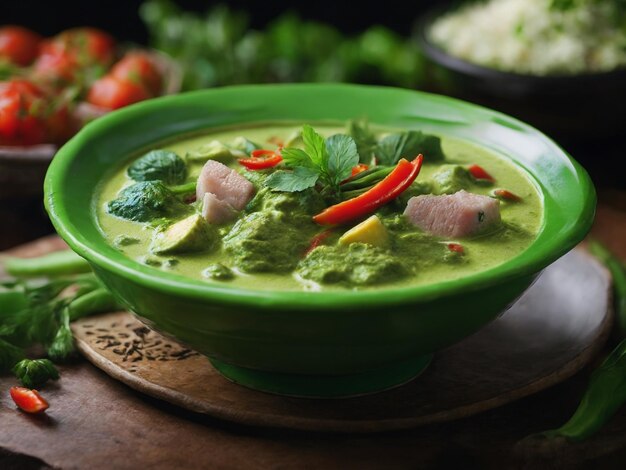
[323, 163]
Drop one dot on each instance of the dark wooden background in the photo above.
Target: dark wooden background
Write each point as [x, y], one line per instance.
[120, 16]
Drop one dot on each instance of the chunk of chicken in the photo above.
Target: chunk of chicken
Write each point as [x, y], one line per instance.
[225, 183]
[461, 214]
[216, 211]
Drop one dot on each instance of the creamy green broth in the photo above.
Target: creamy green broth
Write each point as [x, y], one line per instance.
[481, 253]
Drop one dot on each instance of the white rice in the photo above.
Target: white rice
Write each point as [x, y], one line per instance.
[526, 36]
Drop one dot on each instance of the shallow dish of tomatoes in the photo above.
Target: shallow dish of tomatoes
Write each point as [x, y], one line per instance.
[51, 87]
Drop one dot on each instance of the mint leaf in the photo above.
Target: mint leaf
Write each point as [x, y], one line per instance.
[314, 146]
[299, 179]
[364, 139]
[342, 157]
[296, 157]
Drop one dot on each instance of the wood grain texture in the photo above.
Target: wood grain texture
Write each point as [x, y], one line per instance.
[548, 335]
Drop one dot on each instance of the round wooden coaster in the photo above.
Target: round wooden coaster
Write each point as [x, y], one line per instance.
[549, 334]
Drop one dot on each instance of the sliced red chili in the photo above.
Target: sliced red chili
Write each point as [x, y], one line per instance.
[480, 173]
[317, 240]
[261, 159]
[28, 400]
[456, 248]
[360, 168]
[506, 195]
[384, 191]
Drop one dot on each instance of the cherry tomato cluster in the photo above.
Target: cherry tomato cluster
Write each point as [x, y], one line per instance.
[28, 117]
[50, 76]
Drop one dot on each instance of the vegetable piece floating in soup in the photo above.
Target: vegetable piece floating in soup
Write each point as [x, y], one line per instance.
[290, 208]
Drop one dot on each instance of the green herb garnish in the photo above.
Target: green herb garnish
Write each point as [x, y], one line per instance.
[322, 162]
[393, 147]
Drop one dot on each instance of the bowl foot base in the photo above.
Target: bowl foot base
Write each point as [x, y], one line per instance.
[325, 386]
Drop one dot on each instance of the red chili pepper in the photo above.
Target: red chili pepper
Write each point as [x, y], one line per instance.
[479, 173]
[317, 240]
[456, 247]
[384, 191]
[28, 400]
[261, 159]
[506, 195]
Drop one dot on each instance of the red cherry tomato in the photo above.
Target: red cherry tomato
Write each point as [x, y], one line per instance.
[21, 86]
[19, 122]
[112, 93]
[137, 67]
[19, 45]
[28, 400]
[86, 45]
[56, 69]
[28, 116]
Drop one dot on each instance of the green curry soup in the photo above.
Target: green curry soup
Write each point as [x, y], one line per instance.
[263, 236]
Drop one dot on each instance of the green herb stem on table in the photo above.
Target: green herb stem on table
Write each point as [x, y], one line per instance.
[606, 392]
[36, 307]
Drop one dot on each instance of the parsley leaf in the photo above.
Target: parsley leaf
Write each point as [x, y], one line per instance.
[299, 179]
[342, 157]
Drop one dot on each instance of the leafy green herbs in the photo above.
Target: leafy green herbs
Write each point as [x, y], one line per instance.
[326, 164]
[9, 355]
[299, 179]
[393, 147]
[38, 312]
[145, 201]
[219, 48]
[62, 345]
[364, 139]
[323, 162]
[159, 165]
[33, 373]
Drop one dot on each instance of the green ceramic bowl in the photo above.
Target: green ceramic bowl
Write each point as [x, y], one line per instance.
[308, 343]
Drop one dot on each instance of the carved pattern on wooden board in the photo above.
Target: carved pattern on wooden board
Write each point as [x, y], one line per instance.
[134, 343]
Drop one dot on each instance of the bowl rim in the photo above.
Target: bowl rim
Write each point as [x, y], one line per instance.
[457, 64]
[526, 264]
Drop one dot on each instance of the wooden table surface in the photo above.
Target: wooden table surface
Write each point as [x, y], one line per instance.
[95, 422]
